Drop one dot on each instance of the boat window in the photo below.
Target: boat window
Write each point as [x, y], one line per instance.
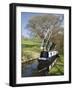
[51, 54]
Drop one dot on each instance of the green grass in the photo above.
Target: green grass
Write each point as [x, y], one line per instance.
[30, 48]
[58, 68]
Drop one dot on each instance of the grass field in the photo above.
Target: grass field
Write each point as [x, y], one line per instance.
[30, 49]
[58, 68]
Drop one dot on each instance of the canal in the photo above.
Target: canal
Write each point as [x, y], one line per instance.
[33, 68]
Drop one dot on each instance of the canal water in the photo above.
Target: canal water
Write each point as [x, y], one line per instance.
[33, 68]
[37, 68]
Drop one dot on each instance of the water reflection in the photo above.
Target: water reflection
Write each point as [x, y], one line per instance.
[34, 68]
[37, 68]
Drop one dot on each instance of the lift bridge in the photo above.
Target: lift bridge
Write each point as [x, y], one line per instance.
[49, 54]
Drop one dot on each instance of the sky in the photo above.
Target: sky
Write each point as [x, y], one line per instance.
[25, 17]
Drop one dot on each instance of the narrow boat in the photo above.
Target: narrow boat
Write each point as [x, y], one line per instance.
[47, 58]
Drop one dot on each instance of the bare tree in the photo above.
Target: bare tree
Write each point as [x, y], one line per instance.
[46, 26]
